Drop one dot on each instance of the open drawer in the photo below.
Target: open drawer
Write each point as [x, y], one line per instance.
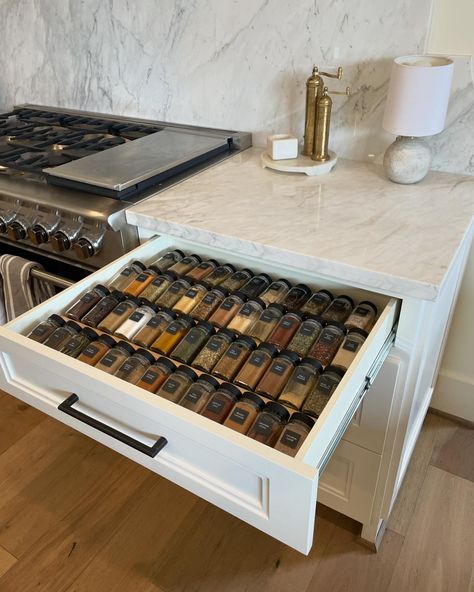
[264, 487]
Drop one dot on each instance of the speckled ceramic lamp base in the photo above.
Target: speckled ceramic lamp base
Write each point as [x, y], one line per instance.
[407, 160]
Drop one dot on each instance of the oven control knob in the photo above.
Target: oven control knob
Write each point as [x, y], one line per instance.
[6, 218]
[38, 235]
[17, 231]
[86, 247]
[60, 242]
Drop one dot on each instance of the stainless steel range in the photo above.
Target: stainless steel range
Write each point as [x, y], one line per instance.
[67, 177]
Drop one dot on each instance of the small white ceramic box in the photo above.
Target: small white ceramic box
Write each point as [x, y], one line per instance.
[282, 146]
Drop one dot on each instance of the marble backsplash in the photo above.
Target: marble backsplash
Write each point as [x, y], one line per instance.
[238, 64]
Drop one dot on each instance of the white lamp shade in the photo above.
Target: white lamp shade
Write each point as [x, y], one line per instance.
[418, 95]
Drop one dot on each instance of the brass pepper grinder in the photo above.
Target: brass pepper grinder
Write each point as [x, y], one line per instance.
[321, 132]
[314, 90]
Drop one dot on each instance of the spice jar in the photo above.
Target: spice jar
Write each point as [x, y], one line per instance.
[86, 302]
[134, 367]
[318, 303]
[115, 357]
[362, 317]
[220, 274]
[287, 326]
[142, 280]
[276, 291]
[256, 366]
[256, 285]
[269, 423]
[322, 391]
[172, 335]
[158, 286]
[191, 298]
[59, 336]
[186, 264]
[154, 328]
[328, 343]
[213, 350]
[301, 383]
[266, 322]
[294, 433]
[75, 344]
[221, 402]
[168, 259]
[234, 358]
[277, 374]
[42, 331]
[339, 309]
[244, 412]
[177, 384]
[188, 348]
[227, 310]
[296, 297]
[202, 270]
[349, 348]
[248, 313]
[210, 302]
[126, 275]
[306, 335]
[171, 296]
[103, 308]
[96, 350]
[138, 319]
[118, 315]
[156, 374]
[235, 281]
[199, 393]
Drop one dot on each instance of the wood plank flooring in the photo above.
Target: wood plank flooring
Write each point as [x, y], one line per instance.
[77, 517]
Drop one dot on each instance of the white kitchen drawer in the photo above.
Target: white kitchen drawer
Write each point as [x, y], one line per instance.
[254, 482]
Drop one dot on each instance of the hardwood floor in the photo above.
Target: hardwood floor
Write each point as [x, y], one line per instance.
[77, 517]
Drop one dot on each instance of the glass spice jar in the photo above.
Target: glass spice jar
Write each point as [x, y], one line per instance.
[115, 357]
[296, 297]
[220, 274]
[213, 350]
[199, 393]
[138, 319]
[202, 270]
[210, 302]
[118, 315]
[75, 344]
[244, 412]
[102, 309]
[318, 303]
[350, 347]
[221, 402]
[266, 322]
[362, 317]
[256, 365]
[158, 286]
[186, 264]
[177, 384]
[156, 374]
[96, 350]
[191, 298]
[188, 348]
[287, 326]
[134, 367]
[246, 316]
[59, 336]
[306, 335]
[277, 375]
[269, 423]
[322, 391]
[301, 383]
[172, 335]
[154, 328]
[328, 343]
[235, 281]
[256, 285]
[276, 291]
[168, 259]
[86, 302]
[171, 296]
[227, 310]
[126, 275]
[294, 433]
[42, 331]
[234, 357]
[142, 280]
[339, 309]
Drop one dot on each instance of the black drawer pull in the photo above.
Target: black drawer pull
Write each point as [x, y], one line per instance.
[67, 407]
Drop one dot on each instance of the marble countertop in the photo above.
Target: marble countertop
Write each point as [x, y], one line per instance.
[351, 225]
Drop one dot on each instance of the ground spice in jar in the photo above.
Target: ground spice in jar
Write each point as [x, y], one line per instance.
[158, 286]
[301, 383]
[287, 326]
[234, 358]
[266, 322]
[188, 348]
[221, 273]
[59, 337]
[269, 423]
[177, 289]
[115, 357]
[246, 316]
[134, 367]
[199, 393]
[276, 292]
[339, 309]
[318, 303]
[126, 275]
[168, 259]
[172, 335]
[306, 335]
[244, 412]
[156, 375]
[256, 285]
[75, 344]
[137, 320]
[102, 309]
[362, 317]
[191, 298]
[202, 270]
[227, 310]
[322, 391]
[256, 365]
[154, 328]
[42, 331]
[86, 302]
[221, 402]
[328, 343]
[119, 315]
[177, 384]
[186, 264]
[350, 347]
[235, 281]
[96, 350]
[213, 350]
[296, 297]
[277, 375]
[142, 280]
[210, 303]
[294, 433]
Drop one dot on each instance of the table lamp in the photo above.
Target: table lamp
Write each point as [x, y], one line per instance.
[416, 106]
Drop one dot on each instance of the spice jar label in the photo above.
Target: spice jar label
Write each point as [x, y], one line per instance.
[191, 293]
[39, 331]
[73, 343]
[149, 377]
[141, 277]
[154, 322]
[193, 396]
[88, 298]
[228, 304]
[192, 337]
[136, 316]
[126, 272]
[128, 367]
[246, 310]
[287, 323]
[351, 345]
[306, 330]
[108, 360]
[290, 439]
[216, 405]
[233, 352]
[157, 281]
[239, 416]
[278, 368]
[361, 311]
[172, 329]
[327, 384]
[263, 427]
[120, 309]
[302, 376]
[328, 337]
[209, 299]
[213, 345]
[256, 359]
[267, 317]
[90, 351]
[171, 386]
[175, 288]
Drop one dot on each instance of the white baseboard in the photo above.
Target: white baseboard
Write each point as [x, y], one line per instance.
[454, 394]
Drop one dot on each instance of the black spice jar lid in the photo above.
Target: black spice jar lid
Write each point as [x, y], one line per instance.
[247, 270]
[228, 332]
[285, 281]
[145, 302]
[340, 326]
[187, 320]
[74, 325]
[216, 263]
[314, 363]
[179, 251]
[156, 269]
[139, 264]
[278, 306]
[57, 319]
[188, 372]
[187, 279]
[102, 288]
[117, 295]
[90, 334]
[357, 330]
[210, 379]
[209, 327]
[248, 341]
[240, 295]
[304, 288]
[231, 389]
[133, 299]
[254, 398]
[335, 370]
[289, 355]
[229, 266]
[126, 346]
[306, 419]
[199, 258]
[166, 362]
[266, 276]
[324, 291]
[224, 291]
[204, 284]
[258, 301]
[297, 313]
[269, 347]
[368, 303]
[146, 354]
[169, 312]
[277, 409]
[171, 275]
[108, 340]
[347, 298]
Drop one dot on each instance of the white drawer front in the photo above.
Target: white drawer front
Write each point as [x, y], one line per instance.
[262, 486]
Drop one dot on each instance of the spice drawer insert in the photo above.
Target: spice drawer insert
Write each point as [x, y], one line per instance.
[264, 487]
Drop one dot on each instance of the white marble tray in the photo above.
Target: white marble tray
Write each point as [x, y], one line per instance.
[302, 164]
